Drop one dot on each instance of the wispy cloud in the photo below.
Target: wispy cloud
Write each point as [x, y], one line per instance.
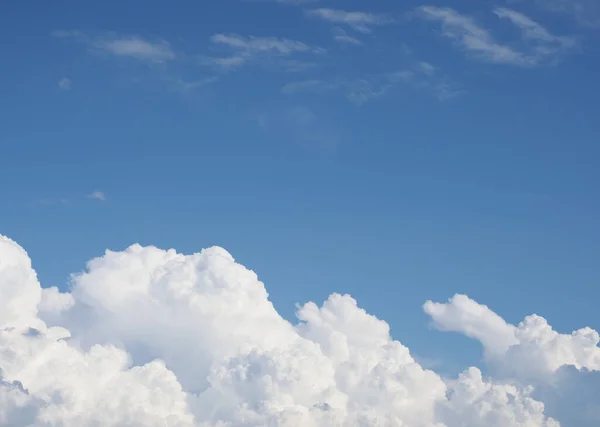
[357, 91]
[161, 63]
[131, 46]
[64, 84]
[531, 30]
[585, 12]
[471, 36]
[260, 44]
[540, 44]
[138, 48]
[426, 68]
[359, 21]
[97, 195]
[361, 90]
[341, 36]
[245, 49]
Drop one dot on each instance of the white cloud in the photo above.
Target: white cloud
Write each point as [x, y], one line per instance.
[426, 68]
[461, 314]
[546, 43]
[98, 195]
[341, 36]
[533, 343]
[359, 21]
[245, 49]
[156, 338]
[471, 36]
[129, 46]
[558, 366]
[540, 45]
[137, 47]
[260, 44]
[174, 69]
[64, 83]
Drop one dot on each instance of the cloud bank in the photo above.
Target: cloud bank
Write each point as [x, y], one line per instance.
[157, 338]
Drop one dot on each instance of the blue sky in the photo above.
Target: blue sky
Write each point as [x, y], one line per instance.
[397, 151]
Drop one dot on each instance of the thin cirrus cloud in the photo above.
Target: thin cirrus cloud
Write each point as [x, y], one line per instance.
[427, 68]
[533, 31]
[538, 45]
[422, 76]
[138, 48]
[244, 49]
[358, 90]
[341, 36]
[131, 46]
[359, 21]
[142, 50]
[219, 354]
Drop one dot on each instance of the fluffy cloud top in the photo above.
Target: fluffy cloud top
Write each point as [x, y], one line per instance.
[156, 338]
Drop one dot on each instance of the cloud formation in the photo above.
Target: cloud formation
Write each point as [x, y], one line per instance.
[341, 36]
[538, 45]
[247, 48]
[120, 45]
[359, 21]
[157, 338]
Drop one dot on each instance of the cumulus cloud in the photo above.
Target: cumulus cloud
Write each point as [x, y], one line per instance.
[533, 343]
[156, 338]
[533, 353]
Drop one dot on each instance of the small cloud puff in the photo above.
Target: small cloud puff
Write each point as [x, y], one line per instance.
[64, 84]
[157, 338]
[98, 195]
